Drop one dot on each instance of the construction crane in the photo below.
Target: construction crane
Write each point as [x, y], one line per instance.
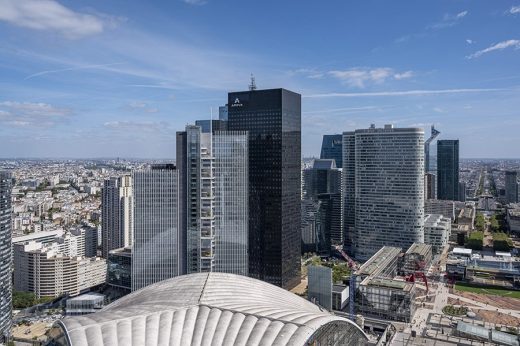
[411, 278]
[419, 272]
[434, 135]
[351, 263]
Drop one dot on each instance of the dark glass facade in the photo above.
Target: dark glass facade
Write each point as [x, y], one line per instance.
[207, 126]
[119, 269]
[273, 120]
[322, 184]
[448, 169]
[328, 222]
[332, 148]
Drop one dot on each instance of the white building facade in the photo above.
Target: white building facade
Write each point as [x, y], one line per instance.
[388, 179]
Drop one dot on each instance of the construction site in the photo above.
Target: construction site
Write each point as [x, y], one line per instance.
[384, 287]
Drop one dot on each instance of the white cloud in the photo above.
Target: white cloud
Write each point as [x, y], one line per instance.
[195, 2]
[32, 114]
[401, 93]
[49, 15]
[404, 75]
[461, 14]
[143, 106]
[468, 41]
[515, 10]
[138, 126]
[499, 46]
[75, 68]
[449, 20]
[359, 77]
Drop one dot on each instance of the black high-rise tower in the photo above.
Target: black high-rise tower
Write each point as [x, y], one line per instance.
[448, 169]
[273, 119]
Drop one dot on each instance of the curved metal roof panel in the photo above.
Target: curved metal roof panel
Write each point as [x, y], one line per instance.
[204, 309]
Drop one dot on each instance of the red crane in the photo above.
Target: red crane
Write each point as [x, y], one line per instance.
[351, 263]
[411, 278]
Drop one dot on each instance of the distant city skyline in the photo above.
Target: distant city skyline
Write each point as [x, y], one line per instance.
[118, 79]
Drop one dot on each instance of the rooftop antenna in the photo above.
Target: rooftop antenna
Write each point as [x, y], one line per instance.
[252, 86]
[211, 120]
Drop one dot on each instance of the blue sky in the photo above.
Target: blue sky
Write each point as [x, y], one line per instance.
[118, 78]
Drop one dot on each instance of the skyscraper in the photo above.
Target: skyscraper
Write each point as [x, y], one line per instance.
[511, 187]
[212, 125]
[323, 177]
[332, 148]
[348, 189]
[448, 169]
[322, 184]
[462, 191]
[430, 188]
[5, 254]
[388, 181]
[230, 150]
[273, 120]
[116, 213]
[157, 247]
[213, 171]
[223, 112]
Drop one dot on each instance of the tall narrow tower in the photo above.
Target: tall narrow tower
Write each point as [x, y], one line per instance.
[273, 120]
[158, 243]
[448, 169]
[214, 188]
[434, 134]
[5, 254]
[116, 212]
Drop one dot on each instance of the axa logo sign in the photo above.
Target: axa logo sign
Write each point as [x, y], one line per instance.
[237, 103]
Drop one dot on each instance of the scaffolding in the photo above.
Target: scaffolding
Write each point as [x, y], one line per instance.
[386, 298]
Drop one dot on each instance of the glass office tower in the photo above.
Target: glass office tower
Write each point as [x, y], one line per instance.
[332, 148]
[157, 249]
[231, 164]
[5, 254]
[213, 170]
[511, 187]
[273, 121]
[448, 170]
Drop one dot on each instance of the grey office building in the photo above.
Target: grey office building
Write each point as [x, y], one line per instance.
[320, 286]
[213, 171]
[273, 121]
[448, 170]
[157, 249]
[116, 214]
[511, 187]
[388, 179]
[430, 186]
[6, 181]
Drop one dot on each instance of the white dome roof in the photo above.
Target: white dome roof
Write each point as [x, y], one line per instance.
[208, 309]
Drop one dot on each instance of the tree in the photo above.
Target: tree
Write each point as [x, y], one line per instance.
[475, 240]
[495, 226]
[22, 300]
[340, 271]
[480, 222]
[501, 242]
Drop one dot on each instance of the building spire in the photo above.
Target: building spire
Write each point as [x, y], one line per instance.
[252, 86]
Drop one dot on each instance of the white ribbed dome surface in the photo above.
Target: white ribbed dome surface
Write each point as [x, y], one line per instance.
[209, 309]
